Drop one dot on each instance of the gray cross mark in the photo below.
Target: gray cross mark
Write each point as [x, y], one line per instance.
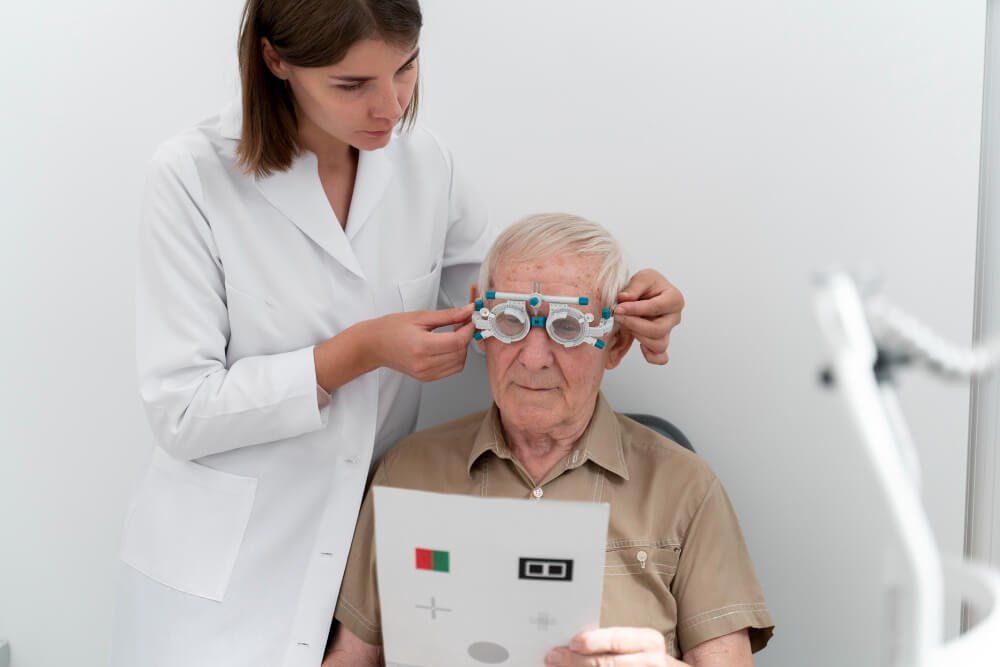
[543, 621]
[433, 608]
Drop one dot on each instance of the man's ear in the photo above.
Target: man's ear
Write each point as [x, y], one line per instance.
[273, 60]
[621, 341]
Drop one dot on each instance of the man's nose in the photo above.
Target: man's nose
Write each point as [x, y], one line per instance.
[536, 349]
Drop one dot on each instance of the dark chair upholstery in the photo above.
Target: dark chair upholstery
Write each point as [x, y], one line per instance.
[663, 427]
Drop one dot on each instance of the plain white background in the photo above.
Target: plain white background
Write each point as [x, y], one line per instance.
[739, 147]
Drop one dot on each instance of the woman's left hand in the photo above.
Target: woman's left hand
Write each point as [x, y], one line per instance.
[650, 307]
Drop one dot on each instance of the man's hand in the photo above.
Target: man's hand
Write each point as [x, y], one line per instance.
[347, 650]
[650, 307]
[613, 647]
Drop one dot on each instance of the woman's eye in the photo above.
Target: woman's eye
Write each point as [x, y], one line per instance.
[407, 67]
[350, 86]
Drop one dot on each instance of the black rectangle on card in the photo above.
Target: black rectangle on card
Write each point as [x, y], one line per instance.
[545, 569]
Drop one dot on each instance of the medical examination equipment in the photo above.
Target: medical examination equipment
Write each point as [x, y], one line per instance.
[870, 339]
[509, 321]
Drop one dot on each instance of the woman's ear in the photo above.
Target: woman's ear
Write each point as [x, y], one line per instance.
[619, 343]
[273, 60]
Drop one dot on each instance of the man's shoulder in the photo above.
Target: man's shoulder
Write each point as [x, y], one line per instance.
[650, 449]
[439, 447]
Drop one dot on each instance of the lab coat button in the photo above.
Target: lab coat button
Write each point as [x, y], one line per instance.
[352, 460]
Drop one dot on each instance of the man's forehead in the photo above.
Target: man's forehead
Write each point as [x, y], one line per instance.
[557, 275]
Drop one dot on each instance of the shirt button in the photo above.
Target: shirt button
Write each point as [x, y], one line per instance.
[641, 557]
[538, 493]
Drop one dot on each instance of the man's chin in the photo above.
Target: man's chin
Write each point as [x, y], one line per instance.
[521, 399]
[534, 411]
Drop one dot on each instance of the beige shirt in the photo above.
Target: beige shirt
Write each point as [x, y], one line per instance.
[675, 558]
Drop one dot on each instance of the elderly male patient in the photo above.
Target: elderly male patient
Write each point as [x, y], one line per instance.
[678, 578]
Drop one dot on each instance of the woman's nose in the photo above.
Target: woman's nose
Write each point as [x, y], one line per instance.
[387, 105]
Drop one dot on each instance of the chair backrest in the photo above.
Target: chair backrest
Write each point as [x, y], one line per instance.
[663, 427]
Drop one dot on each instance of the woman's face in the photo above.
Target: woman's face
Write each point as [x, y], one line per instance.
[358, 100]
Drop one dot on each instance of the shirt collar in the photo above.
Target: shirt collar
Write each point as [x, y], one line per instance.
[231, 120]
[601, 442]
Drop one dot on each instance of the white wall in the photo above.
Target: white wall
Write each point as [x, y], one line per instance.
[738, 147]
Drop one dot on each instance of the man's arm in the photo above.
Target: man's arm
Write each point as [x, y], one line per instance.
[349, 651]
[732, 650]
[644, 647]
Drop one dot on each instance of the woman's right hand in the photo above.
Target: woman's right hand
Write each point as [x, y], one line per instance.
[406, 342]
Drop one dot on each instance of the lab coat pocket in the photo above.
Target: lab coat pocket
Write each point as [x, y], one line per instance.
[421, 293]
[186, 525]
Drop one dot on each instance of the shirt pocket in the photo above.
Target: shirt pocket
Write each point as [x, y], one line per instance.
[642, 558]
[638, 574]
[186, 525]
[421, 293]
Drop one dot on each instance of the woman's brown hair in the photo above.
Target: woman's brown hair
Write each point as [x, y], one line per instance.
[305, 33]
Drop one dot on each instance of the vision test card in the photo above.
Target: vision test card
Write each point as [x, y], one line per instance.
[476, 581]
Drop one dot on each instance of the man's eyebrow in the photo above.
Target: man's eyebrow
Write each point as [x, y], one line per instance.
[360, 79]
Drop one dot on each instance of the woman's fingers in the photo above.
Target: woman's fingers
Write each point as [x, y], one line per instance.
[654, 357]
[432, 319]
[643, 284]
[647, 330]
[650, 307]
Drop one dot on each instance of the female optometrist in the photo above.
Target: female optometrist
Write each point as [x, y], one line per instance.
[290, 252]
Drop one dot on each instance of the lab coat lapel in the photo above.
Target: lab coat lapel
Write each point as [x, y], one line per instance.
[299, 195]
[374, 174]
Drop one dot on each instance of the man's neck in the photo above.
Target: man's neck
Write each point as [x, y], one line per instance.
[539, 452]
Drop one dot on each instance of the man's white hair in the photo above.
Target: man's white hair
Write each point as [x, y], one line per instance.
[549, 234]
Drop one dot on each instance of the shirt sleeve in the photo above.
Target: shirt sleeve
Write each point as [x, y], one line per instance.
[196, 404]
[715, 586]
[469, 237]
[358, 605]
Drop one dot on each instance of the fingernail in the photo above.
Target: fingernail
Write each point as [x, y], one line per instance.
[553, 659]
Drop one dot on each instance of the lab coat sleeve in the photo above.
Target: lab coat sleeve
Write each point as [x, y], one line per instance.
[195, 404]
[469, 237]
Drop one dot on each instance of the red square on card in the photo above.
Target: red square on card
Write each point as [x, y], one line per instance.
[425, 559]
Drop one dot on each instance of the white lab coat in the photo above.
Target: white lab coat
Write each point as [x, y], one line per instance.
[236, 540]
